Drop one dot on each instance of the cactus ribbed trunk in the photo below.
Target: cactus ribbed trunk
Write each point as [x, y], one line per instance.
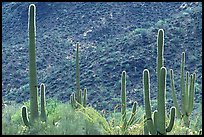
[160, 50]
[78, 99]
[123, 96]
[32, 64]
[161, 102]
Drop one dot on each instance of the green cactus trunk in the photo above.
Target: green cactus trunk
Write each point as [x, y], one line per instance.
[123, 97]
[32, 64]
[78, 98]
[161, 102]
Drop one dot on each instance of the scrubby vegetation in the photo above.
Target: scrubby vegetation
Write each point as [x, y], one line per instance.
[64, 120]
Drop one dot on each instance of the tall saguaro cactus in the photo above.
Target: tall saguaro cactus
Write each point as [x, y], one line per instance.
[32, 63]
[156, 125]
[76, 98]
[126, 122]
[34, 114]
[187, 93]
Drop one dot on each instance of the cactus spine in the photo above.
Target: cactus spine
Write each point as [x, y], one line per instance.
[32, 63]
[34, 114]
[123, 107]
[187, 93]
[157, 125]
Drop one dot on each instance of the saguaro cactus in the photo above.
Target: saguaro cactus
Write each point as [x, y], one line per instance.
[157, 124]
[123, 107]
[32, 63]
[78, 96]
[187, 93]
[34, 114]
[83, 99]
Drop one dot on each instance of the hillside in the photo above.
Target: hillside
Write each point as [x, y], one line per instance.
[113, 37]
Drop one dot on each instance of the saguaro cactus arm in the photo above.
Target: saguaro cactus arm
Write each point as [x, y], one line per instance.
[131, 120]
[25, 116]
[178, 113]
[43, 103]
[148, 111]
[85, 97]
[171, 123]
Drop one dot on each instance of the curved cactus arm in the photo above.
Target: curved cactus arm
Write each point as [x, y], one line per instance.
[123, 97]
[148, 112]
[32, 63]
[25, 116]
[161, 102]
[171, 123]
[178, 113]
[132, 117]
[43, 103]
[85, 97]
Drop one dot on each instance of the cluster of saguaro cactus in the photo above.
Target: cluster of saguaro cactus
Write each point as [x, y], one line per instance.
[83, 99]
[157, 124]
[126, 123]
[77, 99]
[33, 76]
[187, 93]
